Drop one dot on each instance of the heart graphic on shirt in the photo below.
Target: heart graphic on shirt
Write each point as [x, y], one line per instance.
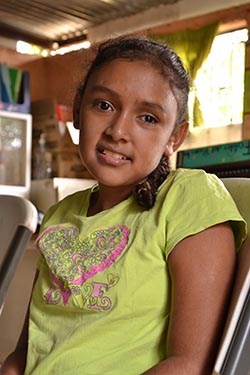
[73, 261]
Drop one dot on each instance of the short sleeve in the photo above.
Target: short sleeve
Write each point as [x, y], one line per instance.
[195, 201]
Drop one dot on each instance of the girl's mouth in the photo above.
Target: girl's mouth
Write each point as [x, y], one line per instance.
[112, 154]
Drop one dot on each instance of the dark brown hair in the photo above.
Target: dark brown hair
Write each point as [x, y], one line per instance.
[169, 65]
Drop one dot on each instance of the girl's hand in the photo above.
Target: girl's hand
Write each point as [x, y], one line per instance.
[14, 363]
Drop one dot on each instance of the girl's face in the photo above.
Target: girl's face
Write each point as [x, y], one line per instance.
[127, 119]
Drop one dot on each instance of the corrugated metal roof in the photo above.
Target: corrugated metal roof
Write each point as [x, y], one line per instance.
[44, 21]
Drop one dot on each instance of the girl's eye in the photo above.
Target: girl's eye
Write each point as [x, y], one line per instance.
[150, 119]
[104, 106]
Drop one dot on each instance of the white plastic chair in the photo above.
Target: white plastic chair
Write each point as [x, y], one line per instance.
[234, 354]
[18, 221]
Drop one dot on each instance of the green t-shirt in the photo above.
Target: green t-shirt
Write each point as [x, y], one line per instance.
[101, 303]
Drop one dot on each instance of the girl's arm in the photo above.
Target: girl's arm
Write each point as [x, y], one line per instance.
[15, 363]
[201, 268]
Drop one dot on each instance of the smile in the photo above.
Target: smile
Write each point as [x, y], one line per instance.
[114, 155]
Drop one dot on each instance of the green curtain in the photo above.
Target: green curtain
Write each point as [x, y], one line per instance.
[193, 47]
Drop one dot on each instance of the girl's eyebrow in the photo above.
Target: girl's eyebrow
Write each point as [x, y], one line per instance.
[155, 106]
[105, 90]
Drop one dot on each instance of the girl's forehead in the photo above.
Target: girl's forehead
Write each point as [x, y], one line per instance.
[123, 62]
[135, 68]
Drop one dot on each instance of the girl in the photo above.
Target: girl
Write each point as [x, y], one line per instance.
[134, 274]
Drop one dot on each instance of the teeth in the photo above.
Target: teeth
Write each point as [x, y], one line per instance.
[113, 154]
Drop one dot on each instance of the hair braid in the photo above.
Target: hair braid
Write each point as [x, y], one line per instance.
[147, 190]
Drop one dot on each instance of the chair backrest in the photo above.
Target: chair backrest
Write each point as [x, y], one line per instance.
[18, 221]
[234, 354]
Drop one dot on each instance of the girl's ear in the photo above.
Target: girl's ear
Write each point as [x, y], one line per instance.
[176, 139]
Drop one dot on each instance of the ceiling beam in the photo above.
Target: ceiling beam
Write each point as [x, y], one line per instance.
[15, 35]
[162, 15]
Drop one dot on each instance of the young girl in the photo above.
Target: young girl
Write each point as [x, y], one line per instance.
[134, 274]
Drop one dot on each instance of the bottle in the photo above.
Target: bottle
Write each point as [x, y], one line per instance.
[42, 160]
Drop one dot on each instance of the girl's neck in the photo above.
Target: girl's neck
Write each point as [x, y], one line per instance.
[106, 198]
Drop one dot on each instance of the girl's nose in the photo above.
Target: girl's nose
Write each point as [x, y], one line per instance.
[118, 129]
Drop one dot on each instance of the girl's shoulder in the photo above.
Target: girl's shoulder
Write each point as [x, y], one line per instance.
[195, 180]
[71, 200]
[183, 174]
[195, 200]
[76, 203]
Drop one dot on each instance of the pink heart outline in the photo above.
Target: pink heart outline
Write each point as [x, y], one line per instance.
[45, 248]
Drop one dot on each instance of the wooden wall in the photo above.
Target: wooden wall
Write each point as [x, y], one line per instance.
[57, 76]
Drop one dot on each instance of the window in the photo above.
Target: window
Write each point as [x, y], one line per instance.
[220, 81]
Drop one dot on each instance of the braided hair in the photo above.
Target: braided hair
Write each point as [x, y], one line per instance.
[169, 65]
